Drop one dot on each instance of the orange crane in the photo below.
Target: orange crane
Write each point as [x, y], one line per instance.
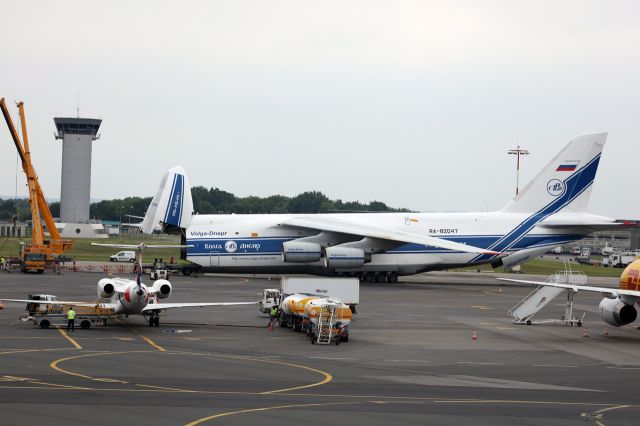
[35, 255]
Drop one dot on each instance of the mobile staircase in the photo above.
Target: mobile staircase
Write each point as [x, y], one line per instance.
[527, 308]
[324, 332]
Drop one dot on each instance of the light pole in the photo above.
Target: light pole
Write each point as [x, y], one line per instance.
[518, 152]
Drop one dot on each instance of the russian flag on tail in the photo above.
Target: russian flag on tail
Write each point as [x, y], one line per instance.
[568, 166]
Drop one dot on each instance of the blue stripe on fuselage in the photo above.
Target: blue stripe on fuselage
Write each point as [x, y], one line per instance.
[273, 245]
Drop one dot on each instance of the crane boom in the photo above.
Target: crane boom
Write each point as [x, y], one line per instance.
[35, 255]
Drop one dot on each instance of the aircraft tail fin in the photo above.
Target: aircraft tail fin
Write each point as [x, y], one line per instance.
[172, 206]
[565, 182]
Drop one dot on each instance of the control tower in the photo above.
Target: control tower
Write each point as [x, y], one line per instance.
[77, 135]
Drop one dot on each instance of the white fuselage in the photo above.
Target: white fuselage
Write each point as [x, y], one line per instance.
[128, 298]
[253, 243]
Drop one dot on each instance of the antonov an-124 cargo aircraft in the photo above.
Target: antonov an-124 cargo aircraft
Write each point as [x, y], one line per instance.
[551, 210]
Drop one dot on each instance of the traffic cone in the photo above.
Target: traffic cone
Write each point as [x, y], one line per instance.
[474, 336]
[606, 331]
[586, 332]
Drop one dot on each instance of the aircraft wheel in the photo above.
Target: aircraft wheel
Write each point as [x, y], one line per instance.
[379, 277]
[393, 277]
[85, 324]
[579, 323]
[45, 324]
[150, 322]
[156, 321]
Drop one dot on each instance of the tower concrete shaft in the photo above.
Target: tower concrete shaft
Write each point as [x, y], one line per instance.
[77, 135]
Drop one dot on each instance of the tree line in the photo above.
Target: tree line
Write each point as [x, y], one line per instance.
[207, 201]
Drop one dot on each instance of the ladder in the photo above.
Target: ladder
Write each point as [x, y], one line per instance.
[326, 321]
[528, 307]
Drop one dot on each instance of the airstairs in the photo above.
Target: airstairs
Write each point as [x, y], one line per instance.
[533, 303]
[325, 326]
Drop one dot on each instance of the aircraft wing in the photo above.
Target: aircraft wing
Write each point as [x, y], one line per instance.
[138, 246]
[345, 227]
[589, 226]
[157, 306]
[608, 291]
[57, 302]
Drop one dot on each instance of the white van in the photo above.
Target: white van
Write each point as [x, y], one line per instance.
[124, 256]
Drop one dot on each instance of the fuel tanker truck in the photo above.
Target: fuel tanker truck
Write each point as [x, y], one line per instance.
[326, 320]
[302, 299]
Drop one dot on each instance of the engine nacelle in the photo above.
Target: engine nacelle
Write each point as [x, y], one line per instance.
[161, 289]
[106, 288]
[301, 252]
[344, 257]
[617, 313]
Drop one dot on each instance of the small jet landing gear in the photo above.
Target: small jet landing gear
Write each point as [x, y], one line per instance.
[154, 319]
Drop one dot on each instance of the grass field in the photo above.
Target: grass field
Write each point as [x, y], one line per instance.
[83, 249]
[548, 267]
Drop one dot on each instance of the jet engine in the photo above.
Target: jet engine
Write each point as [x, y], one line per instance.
[106, 288]
[161, 288]
[344, 257]
[617, 313]
[300, 252]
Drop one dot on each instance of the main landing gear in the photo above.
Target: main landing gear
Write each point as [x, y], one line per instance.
[379, 277]
[154, 319]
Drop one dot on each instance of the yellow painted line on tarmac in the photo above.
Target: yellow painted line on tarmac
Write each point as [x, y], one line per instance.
[145, 338]
[69, 338]
[152, 343]
[327, 377]
[253, 410]
[55, 366]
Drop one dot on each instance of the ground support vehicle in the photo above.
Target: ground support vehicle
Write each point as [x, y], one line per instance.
[346, 290]
[619, 260]
[327, 321]
[172, 268]
[86, 316]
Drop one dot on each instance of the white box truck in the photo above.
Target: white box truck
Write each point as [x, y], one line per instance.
[347, 290]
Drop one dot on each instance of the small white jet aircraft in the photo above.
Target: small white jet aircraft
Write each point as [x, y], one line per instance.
[551, 210]
[132, 297]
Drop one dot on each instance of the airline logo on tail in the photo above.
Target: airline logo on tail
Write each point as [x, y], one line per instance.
[555, 187]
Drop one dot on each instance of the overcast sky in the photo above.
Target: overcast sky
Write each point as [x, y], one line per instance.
[413, 103]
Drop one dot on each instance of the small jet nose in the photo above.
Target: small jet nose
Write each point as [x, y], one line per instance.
[139, 292]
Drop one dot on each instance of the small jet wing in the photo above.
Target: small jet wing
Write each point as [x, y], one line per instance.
[57, 302]
[602, 290]
[157, 306]
[345, 227]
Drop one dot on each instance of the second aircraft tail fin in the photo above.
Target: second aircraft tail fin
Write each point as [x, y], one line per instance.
[565, 182]
[172, 206]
